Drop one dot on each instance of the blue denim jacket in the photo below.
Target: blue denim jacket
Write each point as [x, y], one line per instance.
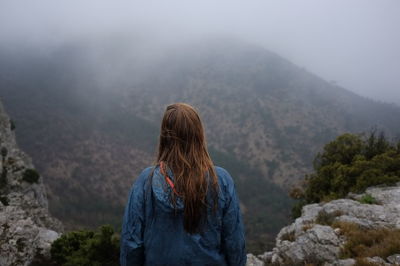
[153, 234]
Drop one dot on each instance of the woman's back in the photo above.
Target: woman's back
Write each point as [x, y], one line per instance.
[153, 232]
[190, 216]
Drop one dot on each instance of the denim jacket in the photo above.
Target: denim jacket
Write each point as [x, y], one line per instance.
[153, 233]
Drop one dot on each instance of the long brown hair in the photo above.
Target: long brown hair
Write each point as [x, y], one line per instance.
[182, 148]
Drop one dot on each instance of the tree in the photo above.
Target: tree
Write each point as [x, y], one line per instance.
[12, 125]
[350, 163]
[85, 247]
[31, 176]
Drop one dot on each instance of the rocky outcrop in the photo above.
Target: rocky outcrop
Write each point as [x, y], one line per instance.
[254, 261]
[312, 239]
[26, 228]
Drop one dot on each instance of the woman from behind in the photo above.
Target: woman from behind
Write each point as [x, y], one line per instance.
[184, 210]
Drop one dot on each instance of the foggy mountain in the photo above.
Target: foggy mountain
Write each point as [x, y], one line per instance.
[89, 115]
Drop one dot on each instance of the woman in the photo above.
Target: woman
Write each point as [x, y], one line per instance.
[183, 211]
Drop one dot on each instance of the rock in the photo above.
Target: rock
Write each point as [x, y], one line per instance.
[353, 196]
[26, 227]
[266, 257]
[385, 195]
[366, 215]
[378, 261]
[306, 241]
[276, 259]
[45, 238]
[346, 262]
[318, 244]
[394, 259]
[254, 261]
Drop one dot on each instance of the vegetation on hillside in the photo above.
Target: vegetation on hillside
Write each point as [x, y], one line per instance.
[350, 163]
[12, 125]
[84, 248]
[31, 176]
[367, 242]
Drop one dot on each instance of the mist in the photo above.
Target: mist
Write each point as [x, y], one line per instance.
[351, 43]
[85, 84]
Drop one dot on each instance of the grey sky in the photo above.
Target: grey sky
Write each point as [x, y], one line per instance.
[353, 42]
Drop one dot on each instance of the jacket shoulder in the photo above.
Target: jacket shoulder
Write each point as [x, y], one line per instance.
[223, 175]
[226, 182]
[146, 172]
[143, 176]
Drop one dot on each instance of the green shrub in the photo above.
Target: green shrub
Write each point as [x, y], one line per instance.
[3, 177]
[4, 153]
[4, 200]
[351, 163]
[368, 199]
[31, 176]
[296, 209]
[81, 248]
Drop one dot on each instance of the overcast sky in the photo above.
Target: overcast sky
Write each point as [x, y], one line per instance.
[355, 43]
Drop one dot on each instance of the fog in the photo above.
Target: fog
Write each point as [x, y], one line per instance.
[353, 43]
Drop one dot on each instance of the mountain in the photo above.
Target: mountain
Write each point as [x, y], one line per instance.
[89, 114]
[26, 227]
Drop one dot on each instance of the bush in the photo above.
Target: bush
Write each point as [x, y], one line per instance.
[362, 242]
[4, 200]
[296, 209]
[368, 199]
[31, 176]
[289, 236]
[351, 163]
[3, 177]
[12, 125]
[81, 248]
[4, 153]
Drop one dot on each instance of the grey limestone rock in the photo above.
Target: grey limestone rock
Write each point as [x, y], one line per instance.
[26, 227]
[345, 262]
[254, 261]
[307, 241]
[317, 244]
[378, 261]
[394, 259]
[266, 257]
